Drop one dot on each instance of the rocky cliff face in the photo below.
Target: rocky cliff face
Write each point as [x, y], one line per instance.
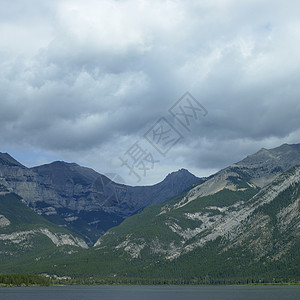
[263, 166]
[258, 169]
[248, 232]
[81, 199]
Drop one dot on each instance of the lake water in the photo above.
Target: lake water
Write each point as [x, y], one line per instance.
[151, 292]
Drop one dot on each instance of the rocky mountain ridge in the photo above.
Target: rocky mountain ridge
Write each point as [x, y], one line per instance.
[253, 232]
[241, 224]
[82, 200]
[258, 170]
[88, 203]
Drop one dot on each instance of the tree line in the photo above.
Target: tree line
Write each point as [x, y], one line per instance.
[23, 280]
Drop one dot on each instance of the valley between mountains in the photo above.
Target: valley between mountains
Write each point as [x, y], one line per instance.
[239, 225]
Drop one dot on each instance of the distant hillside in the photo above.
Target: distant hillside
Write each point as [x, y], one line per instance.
[27, 237]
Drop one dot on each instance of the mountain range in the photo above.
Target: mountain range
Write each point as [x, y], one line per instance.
[82, 200]
[238, 225]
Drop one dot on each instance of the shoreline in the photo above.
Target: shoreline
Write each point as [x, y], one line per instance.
[152, 285]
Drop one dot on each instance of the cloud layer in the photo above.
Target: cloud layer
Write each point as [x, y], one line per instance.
[84, 80]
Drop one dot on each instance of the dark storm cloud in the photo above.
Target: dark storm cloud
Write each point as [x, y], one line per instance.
[87, 79]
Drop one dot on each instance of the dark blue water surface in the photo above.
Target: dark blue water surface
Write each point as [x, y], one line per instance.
[151, 292]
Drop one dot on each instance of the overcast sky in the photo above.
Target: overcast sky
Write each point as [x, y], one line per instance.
[86, 81]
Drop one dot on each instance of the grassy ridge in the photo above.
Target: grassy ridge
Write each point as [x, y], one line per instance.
[28, 245]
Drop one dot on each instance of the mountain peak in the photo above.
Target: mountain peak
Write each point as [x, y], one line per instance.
[180, 173]
[285, 147]
[61, 171]
[283, 154]
[179, 179]
[263, 150]
[282, 148]
[7, 160]
[61, 163]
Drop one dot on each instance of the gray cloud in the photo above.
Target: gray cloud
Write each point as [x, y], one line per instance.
[84, 80]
